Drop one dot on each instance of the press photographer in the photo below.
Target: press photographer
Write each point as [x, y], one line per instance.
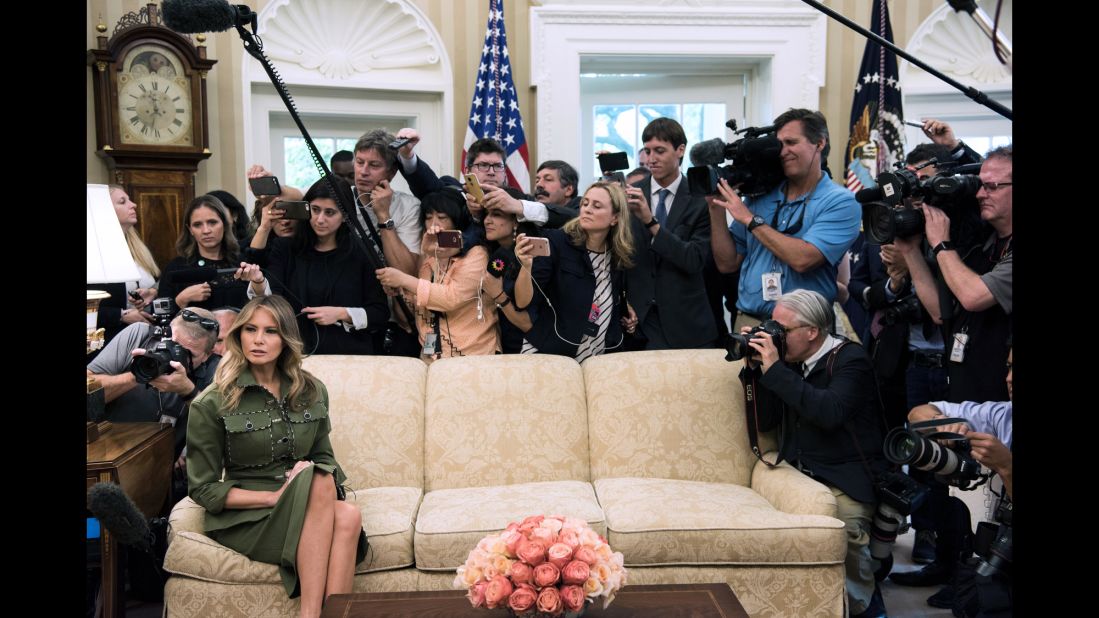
[149, 374]
[818, 389]
[984, 583]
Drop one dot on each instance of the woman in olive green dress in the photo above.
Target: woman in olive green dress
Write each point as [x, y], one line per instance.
[278, 500]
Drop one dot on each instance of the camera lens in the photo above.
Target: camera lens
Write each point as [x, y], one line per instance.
[883, 531]
[148, 366]
[736, 346]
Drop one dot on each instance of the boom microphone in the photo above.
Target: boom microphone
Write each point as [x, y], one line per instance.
[192, 16]
[119, 515]
[709, 152]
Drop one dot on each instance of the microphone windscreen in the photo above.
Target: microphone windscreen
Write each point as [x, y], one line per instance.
[119, 515]
[709, 152]
[192, 16]
[872, 194]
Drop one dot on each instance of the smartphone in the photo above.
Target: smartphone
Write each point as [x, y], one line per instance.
[265, 185]
[134, 295]
[473, 187]
[539, 246]
[294, 209]
[613, 161]
[449, 239]
[399, 143]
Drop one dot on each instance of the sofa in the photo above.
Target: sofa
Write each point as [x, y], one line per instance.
[650, 448]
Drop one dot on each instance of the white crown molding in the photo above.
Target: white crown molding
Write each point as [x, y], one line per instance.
[786, 39]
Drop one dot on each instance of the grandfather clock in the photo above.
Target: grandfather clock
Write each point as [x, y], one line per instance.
[151, 119]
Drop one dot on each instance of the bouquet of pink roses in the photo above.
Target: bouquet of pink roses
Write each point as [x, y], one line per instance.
[542, 565]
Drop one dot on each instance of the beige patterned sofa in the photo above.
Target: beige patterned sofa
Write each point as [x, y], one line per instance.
[649, 447]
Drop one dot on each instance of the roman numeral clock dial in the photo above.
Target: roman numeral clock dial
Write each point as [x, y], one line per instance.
[155, 110]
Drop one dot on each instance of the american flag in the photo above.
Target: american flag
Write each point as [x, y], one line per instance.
[495, 109]
[877, 121]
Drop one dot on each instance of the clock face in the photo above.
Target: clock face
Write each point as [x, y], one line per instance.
[154, 98]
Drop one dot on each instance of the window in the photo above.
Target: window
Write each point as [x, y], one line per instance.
[619, 127]
[300, 170]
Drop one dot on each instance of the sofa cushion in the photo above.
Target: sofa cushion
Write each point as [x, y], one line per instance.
[377, 413]
[452, 521]
[506, 419]
[672, 522]
[675, 414]
[388, 516]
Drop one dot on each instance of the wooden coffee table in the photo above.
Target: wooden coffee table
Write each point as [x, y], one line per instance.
[664, 600]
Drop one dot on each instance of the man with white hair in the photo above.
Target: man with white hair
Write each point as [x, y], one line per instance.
[819, 390]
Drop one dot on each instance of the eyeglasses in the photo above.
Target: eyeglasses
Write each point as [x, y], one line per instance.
[993, 186]
[191, 316]
[484, 167]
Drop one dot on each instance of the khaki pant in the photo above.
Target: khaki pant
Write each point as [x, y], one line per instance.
[859, 566]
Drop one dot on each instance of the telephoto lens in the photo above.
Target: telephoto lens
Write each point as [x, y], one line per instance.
[955, 466]
[999, 555]
[883, 531]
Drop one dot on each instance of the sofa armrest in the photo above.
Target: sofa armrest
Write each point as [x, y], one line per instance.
[790, 491]
[187, 516]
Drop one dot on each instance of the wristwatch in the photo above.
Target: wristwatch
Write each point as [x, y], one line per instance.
[755, 222]
[651, 222]
[388, 224]
[945, 245]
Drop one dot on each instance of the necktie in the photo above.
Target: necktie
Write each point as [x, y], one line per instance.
[661, 208]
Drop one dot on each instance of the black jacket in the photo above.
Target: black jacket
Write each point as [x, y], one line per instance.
[821, 412]
[668, 271]
[567, 278]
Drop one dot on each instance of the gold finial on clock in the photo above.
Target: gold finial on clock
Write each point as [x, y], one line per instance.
[201, 38]
[101, 27]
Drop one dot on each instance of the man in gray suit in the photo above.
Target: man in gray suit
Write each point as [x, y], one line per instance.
[665, 288]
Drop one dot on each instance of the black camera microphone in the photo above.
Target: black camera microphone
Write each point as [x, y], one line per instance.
[119, 515]
[709, 152]
[193, 16]
[872, 194]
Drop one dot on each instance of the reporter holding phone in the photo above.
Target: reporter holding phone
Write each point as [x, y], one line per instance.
[578, 289]
[326, 277]
[453, 316]
[206, 242]
[501, 229]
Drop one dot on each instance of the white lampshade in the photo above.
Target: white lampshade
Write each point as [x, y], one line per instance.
[109, 259]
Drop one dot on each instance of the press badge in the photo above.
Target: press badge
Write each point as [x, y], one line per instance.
[430, 342]
[772, 286]
[592, 327]
[957, 353]
[170, 420]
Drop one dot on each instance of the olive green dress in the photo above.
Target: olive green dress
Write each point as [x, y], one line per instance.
[256, 445]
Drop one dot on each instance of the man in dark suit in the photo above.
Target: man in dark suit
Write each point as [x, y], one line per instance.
[819, 391]
[666, 288]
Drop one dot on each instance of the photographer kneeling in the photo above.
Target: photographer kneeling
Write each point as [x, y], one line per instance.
[169, 385]
[818, 389]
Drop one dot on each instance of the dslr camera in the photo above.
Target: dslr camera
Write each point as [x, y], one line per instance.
[898, 495]
[906, 310]
[155, 362]
[756, 162]
[952, 465]
[886, 215]
[736, 345]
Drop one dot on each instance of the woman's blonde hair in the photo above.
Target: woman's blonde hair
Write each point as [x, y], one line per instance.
[620, 237]
[303, 390]
[138, 250]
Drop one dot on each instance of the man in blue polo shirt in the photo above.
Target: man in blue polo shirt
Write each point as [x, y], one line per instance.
[792, 237]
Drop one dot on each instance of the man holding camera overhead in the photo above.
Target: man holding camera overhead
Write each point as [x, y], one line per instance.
[793, 237]
[976, 313]
[818, 390]
[166, 396]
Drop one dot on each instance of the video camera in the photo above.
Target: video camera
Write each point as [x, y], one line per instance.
[952, 465]
[886, 215]
[756, 162]
[736, 345]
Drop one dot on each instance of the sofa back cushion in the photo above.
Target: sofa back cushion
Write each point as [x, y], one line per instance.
[499, 420]
[673, 414]
[377, 412]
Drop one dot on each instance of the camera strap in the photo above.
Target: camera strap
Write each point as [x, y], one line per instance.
[751, 411]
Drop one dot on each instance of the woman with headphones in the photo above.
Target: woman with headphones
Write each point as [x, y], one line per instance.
[579, 288]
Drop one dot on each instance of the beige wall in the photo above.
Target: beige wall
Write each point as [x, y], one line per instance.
[461, 25]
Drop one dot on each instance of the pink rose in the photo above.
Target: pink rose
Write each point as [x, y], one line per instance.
[530, 552]
[521, 573]
[497, 591]
[546, 574]
[569, 537]
[545, 536]
[523, 598]
[533, 520]
[511, 540]
[549, 601]
[572, 597]
[476, 594]
[576, 572]
[585, 554]
[559, 554]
